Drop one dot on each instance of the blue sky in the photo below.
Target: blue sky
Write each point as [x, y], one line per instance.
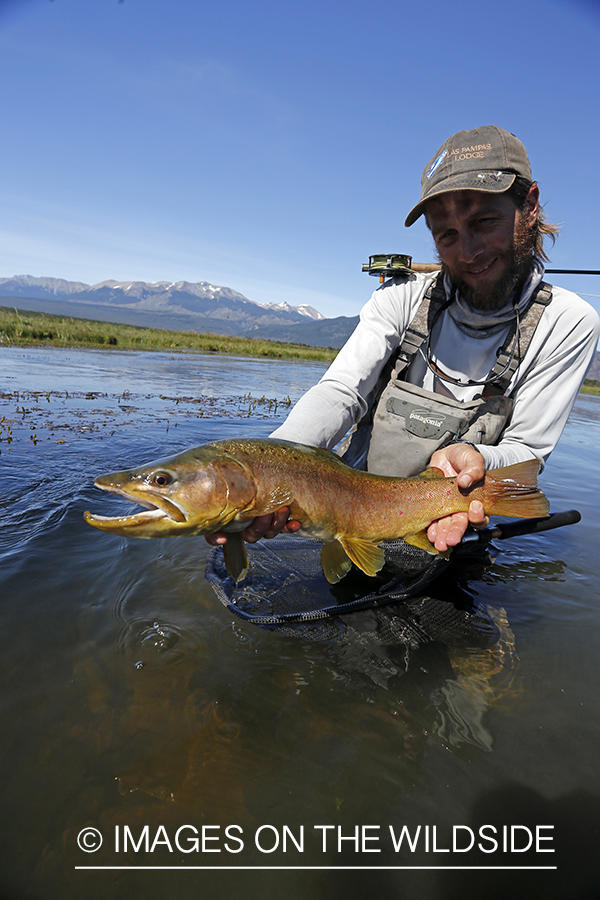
[272, 147]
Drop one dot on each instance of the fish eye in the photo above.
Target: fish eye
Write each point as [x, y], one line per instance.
[161, 479]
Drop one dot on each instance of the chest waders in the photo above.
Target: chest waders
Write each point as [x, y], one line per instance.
[406, 423]
[285, 585]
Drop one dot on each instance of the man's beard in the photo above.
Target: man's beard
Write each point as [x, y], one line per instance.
[518, 261]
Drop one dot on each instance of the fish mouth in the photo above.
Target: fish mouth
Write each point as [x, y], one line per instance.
[155, 509]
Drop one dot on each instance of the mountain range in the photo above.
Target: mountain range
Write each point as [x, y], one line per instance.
[184, 306]
[179, 306]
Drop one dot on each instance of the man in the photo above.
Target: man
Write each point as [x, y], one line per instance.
[486, 345]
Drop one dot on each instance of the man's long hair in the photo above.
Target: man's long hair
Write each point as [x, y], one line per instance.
[542, 228]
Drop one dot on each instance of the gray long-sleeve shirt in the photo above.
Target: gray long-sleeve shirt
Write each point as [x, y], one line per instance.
[543, 388]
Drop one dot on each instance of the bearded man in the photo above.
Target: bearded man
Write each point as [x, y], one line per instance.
[472, 368]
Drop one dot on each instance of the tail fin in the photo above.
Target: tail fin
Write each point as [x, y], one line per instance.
[513, 491]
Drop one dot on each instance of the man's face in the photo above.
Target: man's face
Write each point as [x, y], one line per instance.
[483, 243]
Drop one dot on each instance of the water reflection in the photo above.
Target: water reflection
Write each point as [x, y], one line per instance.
[112, 371]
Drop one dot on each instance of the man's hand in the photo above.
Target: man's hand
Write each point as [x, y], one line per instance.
[468, 463]
[262, 526]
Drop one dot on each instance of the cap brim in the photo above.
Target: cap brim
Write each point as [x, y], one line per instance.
[494, 182]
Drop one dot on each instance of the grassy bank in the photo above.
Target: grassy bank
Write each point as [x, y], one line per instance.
[590, 386]
[22, 328]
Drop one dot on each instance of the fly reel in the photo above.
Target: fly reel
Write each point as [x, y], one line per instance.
[390, 264]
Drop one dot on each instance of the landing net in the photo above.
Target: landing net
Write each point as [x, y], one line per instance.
[285, 583]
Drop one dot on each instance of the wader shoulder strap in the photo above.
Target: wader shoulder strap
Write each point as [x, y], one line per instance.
[509, 355]
[516, 345]
[420, 325]
[354, 447]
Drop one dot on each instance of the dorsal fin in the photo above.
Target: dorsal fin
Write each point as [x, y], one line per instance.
[431, 472]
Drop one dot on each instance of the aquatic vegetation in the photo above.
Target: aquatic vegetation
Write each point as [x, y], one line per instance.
[58, 415]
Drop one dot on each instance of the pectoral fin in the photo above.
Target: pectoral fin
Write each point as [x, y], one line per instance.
[278, 497]
[334, 561]
[365, 554]
[236, 558]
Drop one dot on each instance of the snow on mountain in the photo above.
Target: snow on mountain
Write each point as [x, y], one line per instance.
[303, 309]
[151, 295]
[177, 306]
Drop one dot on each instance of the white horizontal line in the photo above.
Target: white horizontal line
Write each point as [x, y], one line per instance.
[329, 868]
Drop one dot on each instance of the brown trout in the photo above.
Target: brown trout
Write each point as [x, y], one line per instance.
[222, 486]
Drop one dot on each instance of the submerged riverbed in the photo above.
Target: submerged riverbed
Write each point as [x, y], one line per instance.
[254, 761]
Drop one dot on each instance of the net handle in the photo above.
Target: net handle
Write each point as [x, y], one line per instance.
[523, 526]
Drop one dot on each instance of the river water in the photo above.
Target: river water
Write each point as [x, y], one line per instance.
[219, 759]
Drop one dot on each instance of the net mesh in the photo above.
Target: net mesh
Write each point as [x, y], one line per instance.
[285, 589]
[285, 582]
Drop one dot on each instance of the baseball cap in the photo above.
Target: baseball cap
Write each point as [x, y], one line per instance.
[482, 159]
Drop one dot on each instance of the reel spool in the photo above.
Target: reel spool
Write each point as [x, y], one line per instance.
[390, 264]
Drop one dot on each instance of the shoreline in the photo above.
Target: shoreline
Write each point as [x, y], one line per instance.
[26, 328]
[590, 387]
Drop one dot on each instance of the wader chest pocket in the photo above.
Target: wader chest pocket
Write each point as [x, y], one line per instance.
[410, 423]
[426, 423]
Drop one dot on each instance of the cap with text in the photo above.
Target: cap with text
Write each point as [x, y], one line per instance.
[482, 159]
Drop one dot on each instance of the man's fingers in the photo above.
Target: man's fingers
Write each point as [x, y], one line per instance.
[448, 531]
[261, 527]
[462, 460]
[279, 523]
[275, 523]
[477, 516]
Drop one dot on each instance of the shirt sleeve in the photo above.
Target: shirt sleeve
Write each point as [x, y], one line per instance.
[547, 383]
[329, 409]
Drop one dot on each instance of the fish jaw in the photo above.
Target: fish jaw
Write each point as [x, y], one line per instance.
[193, 493]
[161, 517]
